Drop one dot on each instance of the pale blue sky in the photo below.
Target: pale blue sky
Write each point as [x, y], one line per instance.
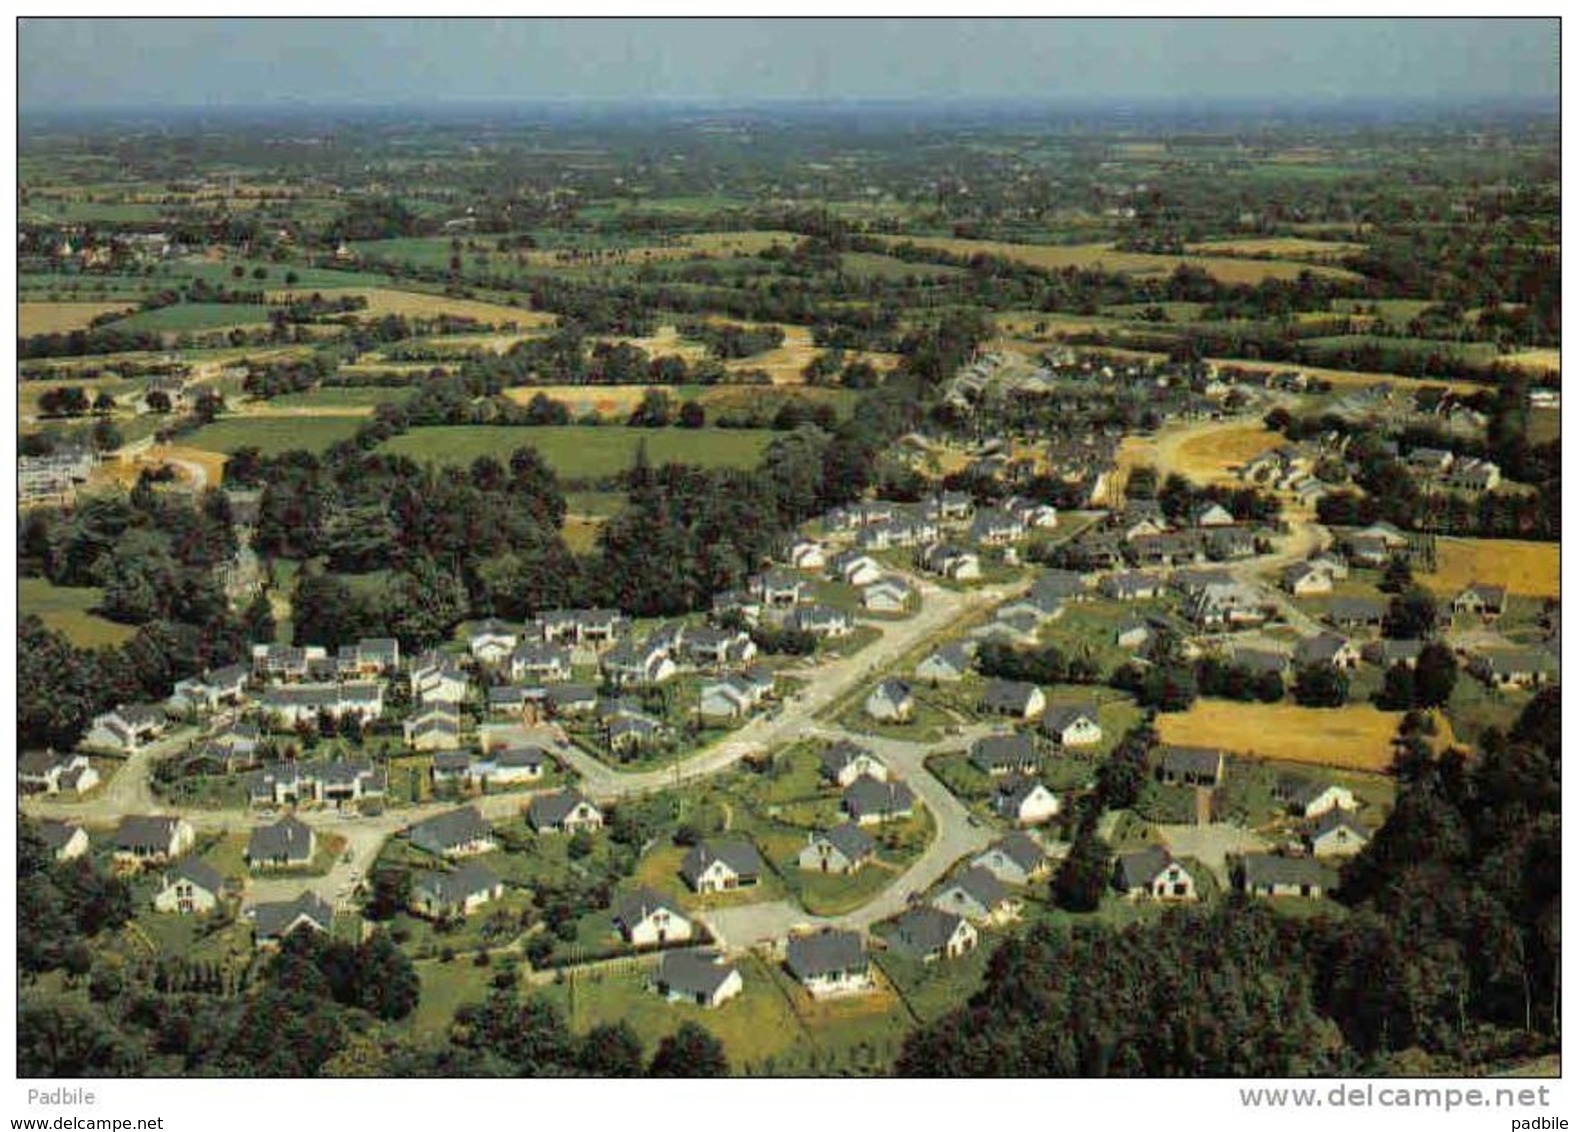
[108, 62]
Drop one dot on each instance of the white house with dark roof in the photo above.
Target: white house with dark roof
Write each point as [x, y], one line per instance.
[701, 976]
[1312, 797]
[1072, 725]
[1025, 801]
[647, 918]
[45, 772]
[1015, 859]
[888, 594]
[891, 702]
[66, 840]
[458, 833]
[829, 963]
[845, 848]
[844, 762]
[1016, 699]
[948, 664]
[855, 569]
[491, 641]
[1271, 875]
[1191, 766]
[443, 895]
[721, 866]
[1013, 753]
[541, 661]
[127, 729]
[1482, 600]
[191, 887]
[287, 844]
[152, 839]
[565, 811]
[976, 895]
[1337, 833]
[1152, 874]
[930, 934]
[273, 921]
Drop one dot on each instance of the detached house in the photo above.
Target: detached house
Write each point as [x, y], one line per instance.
[439, 895]
[491, 642]
[721, 866]
[1266, 874]
[646, 918]
[947, 665]
[1337, 833]
[976, 895]
[843, 849]
[868, 801]
[190, 888]
[701, 976]
[829, 963]
[563, 812]
[891, 702]
[45, 772]
[629, 664]
[538, 660]
[856, 569]
[844, 762]
[459, 833]
[287, 844]
[66, 840]
[1073, 726]
[1192, 766]
[1005, 754]
[1304, 579]
[1514, 668]
[1014, 698]
[1016, 859]
[1025, 801]
[152, 840]
[889, 594]
[930, 934]
[272, 922]
[1481, 600]
[1153, 874]
[1310, 798]
[125, 730]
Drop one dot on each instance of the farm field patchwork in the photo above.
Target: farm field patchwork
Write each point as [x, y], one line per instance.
[1356, 737]
[67, 609]
[56, 318]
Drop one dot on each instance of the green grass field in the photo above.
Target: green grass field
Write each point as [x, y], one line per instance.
[272, 436]
[66, 609]
[584, 453]
[344, 397]
[195, 316]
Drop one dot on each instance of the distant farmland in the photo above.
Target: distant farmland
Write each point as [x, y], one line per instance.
[585, 453]
[273, 435]
[58, 318]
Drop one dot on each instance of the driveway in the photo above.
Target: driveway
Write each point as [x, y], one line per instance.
[1211, 844]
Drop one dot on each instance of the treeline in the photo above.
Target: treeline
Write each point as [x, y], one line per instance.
[1450, 950]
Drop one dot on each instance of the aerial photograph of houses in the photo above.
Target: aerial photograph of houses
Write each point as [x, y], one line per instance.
[788, 548]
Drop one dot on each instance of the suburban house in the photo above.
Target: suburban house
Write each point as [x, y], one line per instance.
[995, 527]
[1355, 612]
[1267, 874]
[1304, 579]
[869, 801]
[592, 628]
[1337, 833]
[721, 866]
[292, 783]
[844, 762]
[929, 934]
[1026, 801]
[459, 833]
[288, 662]
[209, 692]
[438, 678]
[1152, 873]
[370, 656]
[1227, 604]
[891, 702]
[1072, 726]
[565, 811]
[1192, 766]
[440, 895]
[820, 621]
[127, 729]
[506, 766]
[646, 918]
[538, 660]
[433, 729]
[1310, 798]
[734, 697]
[843, 849]
[717, 648]
[571, 699]
[856, 569]
[829, 963]
[948, 664]
[633, 664]
[192, 887]
[45, 772]
[698, 976]
[807, 554]
[778, 588]
[1015, 698]
[1005, 754]
[632, 732]
[287, 844]
[1058, 586]
[66, 840]
[1481, 600]
[272, 922]
[888, 594]
[976, 895]
[1130, 585]
[491, 641]
[1328, 648]
[152, 840]
[1015, 859]
[1211, 515]
[288, 705]
[952, 562]
[1386, 652]
[1514, 668]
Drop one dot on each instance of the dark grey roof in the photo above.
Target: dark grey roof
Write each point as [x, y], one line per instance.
[523, 757]
[925, 930]
[457, 886]
[827, 953]
[1192, 760]
[866, 795]
[840, 755]
[446, 831]
[1355, 609]
[1319, 649]
[1060, 718]
[1139, 868]
[1056, 584]
[1023, 850]
[57, 833]
[272, 919]
[1007, 695]
[40, 762]
[1014, 790]
[1260, 661]
[739, 855]
[979, 885]
[1014, 751]
[137, 832]
[850, 840]
[1264, 869]
[551, 809]
[289, 838]
[693, 973]
[1337, 816]
[200, 873]
[636, 906]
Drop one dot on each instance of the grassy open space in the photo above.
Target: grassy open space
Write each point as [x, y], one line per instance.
[67, 609]
[585, 453]
[195, 316]
[1356, 736]
[273, 435]
[1211, 457]
[1532, 568]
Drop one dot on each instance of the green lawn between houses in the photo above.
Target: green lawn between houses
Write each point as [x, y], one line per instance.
[579, 452]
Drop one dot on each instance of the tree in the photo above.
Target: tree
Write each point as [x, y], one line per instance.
[611, 1049]
[1397, 690]
[1411, 615]
[1320, 685]
[258, 620]
[1398, 575]
[692, 415]
[1086, 871]
[1435, 675]
[690, 1051]
[386, 983]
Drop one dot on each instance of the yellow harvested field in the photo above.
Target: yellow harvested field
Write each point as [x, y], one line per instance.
[580, 532]
[665, 341]
[1292, 247]
[1530, 568]
[59, 318]
[1056, 257]
[1355, 737]
[383, 301]
[1533, 360]
[698, 245]
[1342, 378]
[125, 472]
[1212, 457]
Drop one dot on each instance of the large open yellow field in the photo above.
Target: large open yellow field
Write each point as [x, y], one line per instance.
[1290, 247]
[1212, 457]
[1531, 568]
[1536, 361]
[1355, 737]
[1055, 257]
[59, 318]
[414, 304]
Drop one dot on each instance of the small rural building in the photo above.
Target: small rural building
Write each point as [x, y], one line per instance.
[45, 772]
[192, 887]
[844, 762]
[930, 934]
[870, 801]
[721, 866]
[441, 895]
[1514, 668]
[1014, 698]
[152, 840]
[1479, 599]
[1077, 725]
[459, 833]
[1025, 801]
[127, 729]
[1267, 874]
[976, 895]
[845, 848]
[565, 811]
[1337, 833]
[287, 844]
[66, 840]
[1311, 797]
[1191, 766]
[701, 976]
[1005, 754]
[272, 922]
[891, 702]
[646, 918]
[947, 665]
[829, 963]
[1152, 873]
[1015, 859]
